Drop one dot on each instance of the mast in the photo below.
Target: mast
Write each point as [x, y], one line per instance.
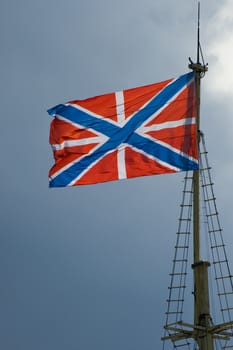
[200, 267]
[202, 330]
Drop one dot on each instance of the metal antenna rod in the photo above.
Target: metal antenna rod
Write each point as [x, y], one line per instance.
[198, 34]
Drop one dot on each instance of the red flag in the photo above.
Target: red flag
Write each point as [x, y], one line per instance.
[137, 132]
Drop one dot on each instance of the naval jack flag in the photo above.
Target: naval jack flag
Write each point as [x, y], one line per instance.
[146, 130]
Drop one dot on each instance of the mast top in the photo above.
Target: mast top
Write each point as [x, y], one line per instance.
[198, 66]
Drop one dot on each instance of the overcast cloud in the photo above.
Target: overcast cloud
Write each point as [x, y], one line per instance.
[87, 267]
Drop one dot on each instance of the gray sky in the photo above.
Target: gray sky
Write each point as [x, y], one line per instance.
[87, 267]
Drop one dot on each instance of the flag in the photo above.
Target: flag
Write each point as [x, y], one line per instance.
[136, 132]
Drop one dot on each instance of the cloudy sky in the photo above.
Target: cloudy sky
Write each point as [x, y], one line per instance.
[87, 267]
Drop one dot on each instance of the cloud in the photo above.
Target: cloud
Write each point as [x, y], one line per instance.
[220, 50]
[217, 97]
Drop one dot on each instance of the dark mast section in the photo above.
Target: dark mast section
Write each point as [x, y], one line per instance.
[201, 332]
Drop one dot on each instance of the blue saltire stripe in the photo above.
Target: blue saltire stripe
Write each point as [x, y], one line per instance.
[84, 119]
[126, 134]
[162, 153]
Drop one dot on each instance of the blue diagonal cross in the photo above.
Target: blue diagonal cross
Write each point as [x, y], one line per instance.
[118, 135]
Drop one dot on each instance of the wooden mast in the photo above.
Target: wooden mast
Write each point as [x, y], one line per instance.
[200, 268]
[202, 316]
[202, 330]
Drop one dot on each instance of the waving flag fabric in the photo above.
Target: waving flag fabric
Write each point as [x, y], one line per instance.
[136, 132]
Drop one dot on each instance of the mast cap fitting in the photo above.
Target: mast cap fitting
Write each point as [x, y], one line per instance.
[198, 67]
